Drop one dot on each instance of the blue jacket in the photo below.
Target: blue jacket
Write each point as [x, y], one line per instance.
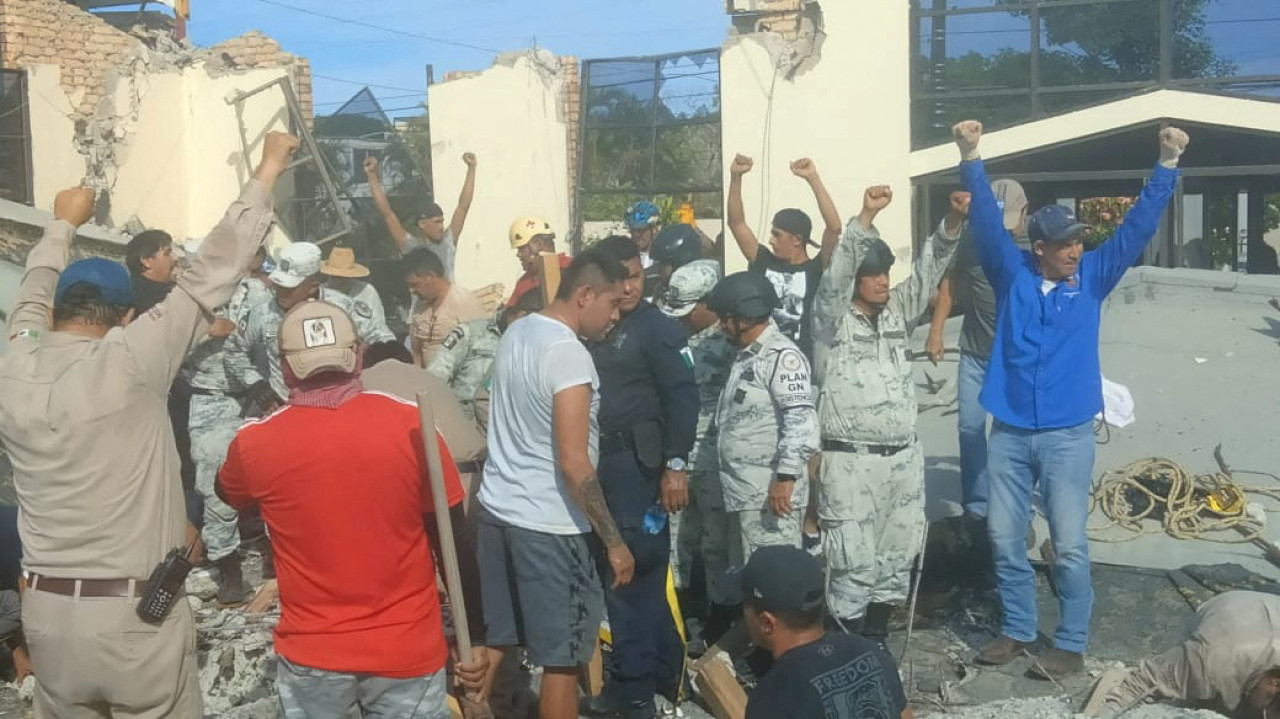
[1044, 371]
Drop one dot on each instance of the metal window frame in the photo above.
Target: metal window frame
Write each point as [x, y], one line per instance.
[24, 137]
[1035, 91]
[652, 188]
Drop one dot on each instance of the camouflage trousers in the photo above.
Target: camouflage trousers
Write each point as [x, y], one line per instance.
[213, 423]
[307, 693]
[871, 511]
[704, 528]
[756, 528]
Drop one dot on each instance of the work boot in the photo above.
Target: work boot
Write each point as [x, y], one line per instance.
[1002, 651]
[1055, 664]
[232, 591]
[875, 625]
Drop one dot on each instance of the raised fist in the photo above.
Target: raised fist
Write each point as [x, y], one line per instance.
[1173, 142]
[371, 166]
[469, 158]
[805, 168]
[960, 203]
[278, 147]
[967, 135]
[741, 165]
[74, 206]
[877, 198]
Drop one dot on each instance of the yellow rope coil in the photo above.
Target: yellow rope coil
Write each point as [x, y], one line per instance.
[1193, 508]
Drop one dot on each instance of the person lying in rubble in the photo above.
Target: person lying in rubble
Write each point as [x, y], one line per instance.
[1230, 663]
[340, 476]
[94, 463]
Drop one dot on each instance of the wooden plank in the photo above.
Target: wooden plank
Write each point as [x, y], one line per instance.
[591, 680]
[550, 271]
[714, 679]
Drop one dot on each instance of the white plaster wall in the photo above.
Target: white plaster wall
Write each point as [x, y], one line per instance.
[510, 116]
[55, 163]
[849, 112]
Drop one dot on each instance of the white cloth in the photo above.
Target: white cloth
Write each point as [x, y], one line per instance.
[523, 484]
[446, 250]
[1117, 404]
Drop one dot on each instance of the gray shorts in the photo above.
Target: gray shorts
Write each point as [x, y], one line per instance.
[540, 591]
[308, 693]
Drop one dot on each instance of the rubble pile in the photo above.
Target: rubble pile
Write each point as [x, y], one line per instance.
[237, 659]
[1058, 708]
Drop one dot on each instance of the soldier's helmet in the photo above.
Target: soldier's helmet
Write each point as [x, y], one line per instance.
[676, 245]
[877, 258]
[749, 295]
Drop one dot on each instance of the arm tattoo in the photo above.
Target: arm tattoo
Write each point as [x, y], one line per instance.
[591, 497]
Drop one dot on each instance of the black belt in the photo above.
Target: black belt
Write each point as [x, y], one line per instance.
[883, 450]
[618, 441]
[216, 393]
[470, 467]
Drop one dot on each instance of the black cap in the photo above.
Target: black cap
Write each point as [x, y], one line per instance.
[783, 579]
[795, 222]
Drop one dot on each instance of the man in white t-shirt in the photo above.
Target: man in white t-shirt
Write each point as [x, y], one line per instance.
[428, 228]
[540, 498]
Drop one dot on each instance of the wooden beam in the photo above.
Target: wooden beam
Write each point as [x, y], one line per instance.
[550, 271]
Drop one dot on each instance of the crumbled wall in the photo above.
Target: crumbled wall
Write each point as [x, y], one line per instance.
[254, 50]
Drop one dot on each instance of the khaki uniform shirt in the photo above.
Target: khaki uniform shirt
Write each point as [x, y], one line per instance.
[86, 421]
[428, 327]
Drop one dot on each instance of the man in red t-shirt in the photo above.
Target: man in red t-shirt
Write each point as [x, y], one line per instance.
[339, 474]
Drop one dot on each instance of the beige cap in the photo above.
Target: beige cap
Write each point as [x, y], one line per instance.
[316, 337]
[1011, 199]
[527, 228]
[342, 263]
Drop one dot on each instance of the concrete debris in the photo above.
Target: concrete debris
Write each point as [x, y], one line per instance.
[1057, 708]
[27, 689]
[236, 651]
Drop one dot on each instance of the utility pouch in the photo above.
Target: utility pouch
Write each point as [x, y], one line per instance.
[164, 586]
[647, 439]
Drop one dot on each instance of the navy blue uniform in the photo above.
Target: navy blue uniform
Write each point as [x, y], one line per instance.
[648, 414]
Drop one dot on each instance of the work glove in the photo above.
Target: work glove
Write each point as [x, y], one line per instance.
[1173, 142]
[260, 400]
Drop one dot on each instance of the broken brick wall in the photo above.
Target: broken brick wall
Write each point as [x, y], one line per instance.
[254, 50]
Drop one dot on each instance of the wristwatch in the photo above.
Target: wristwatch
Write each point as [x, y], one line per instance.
[677, 464]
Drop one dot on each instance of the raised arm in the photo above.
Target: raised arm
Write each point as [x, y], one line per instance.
[372, 170]
[1118, 254]
[942, 304]
[159, 340]
[831, 226]
[464, 198]
[910, 297]
[997, 251]
[835, 289]
[46, 261]
[737, 217]
[571, 416]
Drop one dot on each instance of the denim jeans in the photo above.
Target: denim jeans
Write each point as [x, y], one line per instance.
[973, 434]
[1060, 462]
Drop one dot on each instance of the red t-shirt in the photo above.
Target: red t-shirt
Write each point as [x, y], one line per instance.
[530, 280]
[343, 492]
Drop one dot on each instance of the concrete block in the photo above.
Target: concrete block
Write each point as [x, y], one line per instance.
[1264, 285]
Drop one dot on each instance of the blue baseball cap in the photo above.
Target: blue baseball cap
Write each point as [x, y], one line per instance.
[1054, 223]
[111, 279]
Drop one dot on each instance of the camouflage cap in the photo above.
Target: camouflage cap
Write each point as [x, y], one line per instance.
[688, 286]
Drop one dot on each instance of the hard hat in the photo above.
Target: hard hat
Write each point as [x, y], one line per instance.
[744, 294]
[676, 245]
[527, 228]
[641, 215]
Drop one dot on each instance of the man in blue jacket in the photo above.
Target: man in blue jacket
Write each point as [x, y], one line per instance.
[1044, 386]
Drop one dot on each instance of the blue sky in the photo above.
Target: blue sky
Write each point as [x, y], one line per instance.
[586, 28]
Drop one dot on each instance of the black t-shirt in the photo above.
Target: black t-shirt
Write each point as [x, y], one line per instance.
[796, 286]
[975, 297]
[837, 677]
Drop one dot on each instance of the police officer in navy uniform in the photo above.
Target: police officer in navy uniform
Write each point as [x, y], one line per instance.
[648, 422]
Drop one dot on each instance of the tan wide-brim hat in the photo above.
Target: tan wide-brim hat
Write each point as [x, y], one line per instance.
[342, 263]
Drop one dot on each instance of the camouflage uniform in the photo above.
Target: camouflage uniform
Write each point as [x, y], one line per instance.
[214, 418]
[871, 486]
[252, 353]
[464, 358]
[768, 426]
[703, 526]
[307, 692]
